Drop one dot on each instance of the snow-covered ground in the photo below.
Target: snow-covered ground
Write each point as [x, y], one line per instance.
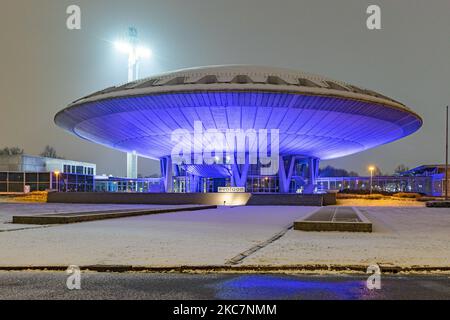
[403, 236]
[10, 209]
[207, 237]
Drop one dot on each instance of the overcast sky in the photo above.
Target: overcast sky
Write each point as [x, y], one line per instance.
[44, 66]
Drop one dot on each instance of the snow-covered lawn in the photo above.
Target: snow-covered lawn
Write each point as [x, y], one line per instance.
[402, 236]
[207, 237]
[10, 209]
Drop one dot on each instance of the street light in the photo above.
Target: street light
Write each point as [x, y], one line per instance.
[57, 180]
[371, 169]
[135, 53]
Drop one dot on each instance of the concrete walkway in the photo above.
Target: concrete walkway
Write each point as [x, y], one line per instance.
[208, 237]
[402, 237]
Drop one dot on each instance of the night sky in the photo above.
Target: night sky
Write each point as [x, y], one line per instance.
[45, 66]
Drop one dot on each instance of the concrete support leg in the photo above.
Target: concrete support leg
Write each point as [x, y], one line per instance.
[193, 183]
[240, 174]
[285, 172]
[313, 173]
[167, 173]
[132, 165]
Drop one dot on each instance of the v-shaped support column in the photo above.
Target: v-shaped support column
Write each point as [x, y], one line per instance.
[313, 174]
[285, 172]
[167, 173]
[239, 174]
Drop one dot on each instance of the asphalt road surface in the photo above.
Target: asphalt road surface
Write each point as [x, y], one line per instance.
[156, 286]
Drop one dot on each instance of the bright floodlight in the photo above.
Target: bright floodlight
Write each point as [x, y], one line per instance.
[143, 52]
[123, 46]
[371, 168]
[139, 52]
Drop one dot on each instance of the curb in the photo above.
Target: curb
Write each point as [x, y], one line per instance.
[236, 269]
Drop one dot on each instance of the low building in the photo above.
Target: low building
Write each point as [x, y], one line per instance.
[25, 173]
[425, 179]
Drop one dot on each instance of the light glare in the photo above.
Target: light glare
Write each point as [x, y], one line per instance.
[123, 46]
[143, 52]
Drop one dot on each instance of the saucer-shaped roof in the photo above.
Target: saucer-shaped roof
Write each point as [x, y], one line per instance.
[316, 116]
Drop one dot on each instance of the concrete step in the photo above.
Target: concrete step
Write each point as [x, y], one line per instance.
[66, 218]
[335, 219]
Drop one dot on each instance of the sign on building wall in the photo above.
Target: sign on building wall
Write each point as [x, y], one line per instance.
[231, 189]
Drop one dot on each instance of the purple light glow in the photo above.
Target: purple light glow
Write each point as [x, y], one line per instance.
[316, 126]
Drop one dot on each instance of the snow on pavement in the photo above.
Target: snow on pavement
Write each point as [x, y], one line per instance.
[401, 237]
[207, 237]
[10, 209]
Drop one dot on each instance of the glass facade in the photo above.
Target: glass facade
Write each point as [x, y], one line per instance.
[114, 184]
[16, 182]
[187, 179]
[429, 185]
[78, 169]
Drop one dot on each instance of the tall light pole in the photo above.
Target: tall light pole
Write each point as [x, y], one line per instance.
[57, 180]
[135, 53]
[371, 169]
[446, 154]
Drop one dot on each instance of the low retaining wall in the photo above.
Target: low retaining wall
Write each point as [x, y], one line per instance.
[76, 217]
[150, 198]
[286, 200]
[234, 199]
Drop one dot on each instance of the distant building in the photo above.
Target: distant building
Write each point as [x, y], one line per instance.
[24, 173]
[425, 179]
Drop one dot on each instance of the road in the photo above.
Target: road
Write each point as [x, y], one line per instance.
[157, 286]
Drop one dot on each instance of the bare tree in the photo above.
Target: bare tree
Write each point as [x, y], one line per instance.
[50, 152]
[12, 151]
[330, 171]
[400, 169]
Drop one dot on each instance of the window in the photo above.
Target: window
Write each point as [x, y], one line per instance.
[335, 86]
[145, 84]
[44, 177]
[16, 177]
[208, 79]
[275, 80]
[308, 83]
[175, 81]
[242, 79]
[31, 177]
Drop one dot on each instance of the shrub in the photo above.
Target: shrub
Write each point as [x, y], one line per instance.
[374, 197]
[409, 195]
[425, 199]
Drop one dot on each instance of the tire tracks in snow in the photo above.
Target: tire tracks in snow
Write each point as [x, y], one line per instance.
[243, 255]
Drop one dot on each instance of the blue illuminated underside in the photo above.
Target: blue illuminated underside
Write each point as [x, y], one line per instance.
[316, 126]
